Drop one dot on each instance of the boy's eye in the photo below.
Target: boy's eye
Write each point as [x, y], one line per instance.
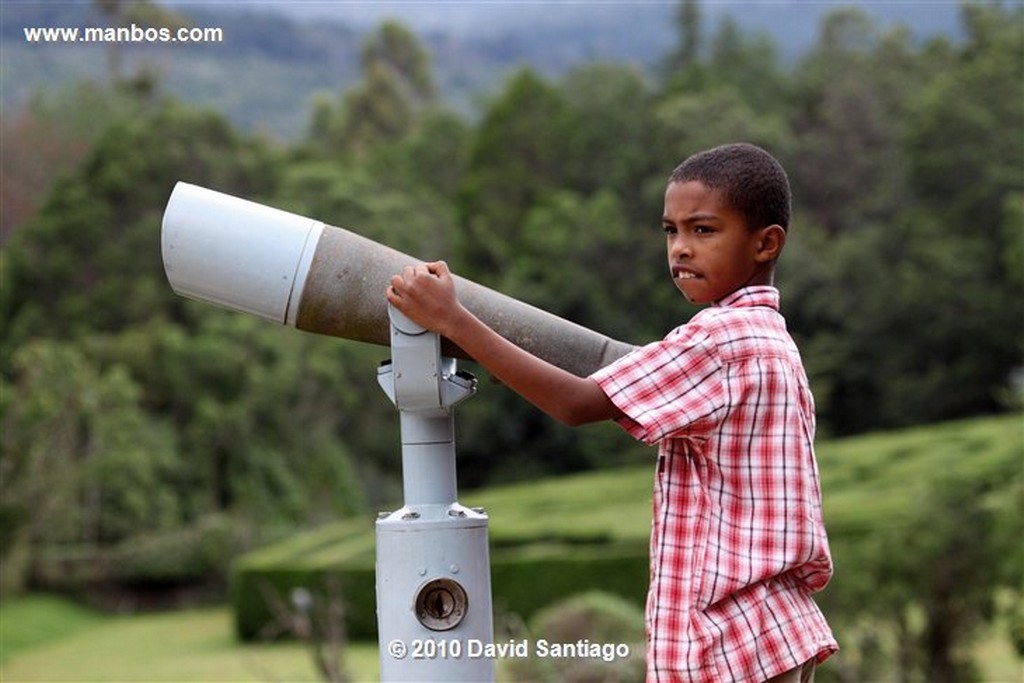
[669, 229]
[703, 229]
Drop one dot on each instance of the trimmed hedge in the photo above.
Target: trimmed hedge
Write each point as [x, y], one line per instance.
[548, 539]
[532, 577]
[524, 579]
[342, 552]
[252, 586]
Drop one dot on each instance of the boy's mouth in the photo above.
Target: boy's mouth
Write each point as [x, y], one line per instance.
[684, 274]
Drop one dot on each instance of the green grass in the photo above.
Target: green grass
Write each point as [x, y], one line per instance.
[879, 478]
[197, 645]
[190, 645]
[27, 622]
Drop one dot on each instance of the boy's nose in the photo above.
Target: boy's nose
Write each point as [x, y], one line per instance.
[681, 249]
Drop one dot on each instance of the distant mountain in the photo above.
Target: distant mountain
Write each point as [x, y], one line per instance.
[276, 56]
[489, 18]
[560, 31]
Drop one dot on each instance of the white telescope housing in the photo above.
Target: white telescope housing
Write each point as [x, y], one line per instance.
[237, 254]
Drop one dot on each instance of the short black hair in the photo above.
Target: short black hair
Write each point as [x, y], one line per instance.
[751, 180]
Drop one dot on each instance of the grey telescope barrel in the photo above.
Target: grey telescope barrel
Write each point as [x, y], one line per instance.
[297, 271]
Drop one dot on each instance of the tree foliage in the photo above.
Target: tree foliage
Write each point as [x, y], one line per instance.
[910, 234]
[396, 87]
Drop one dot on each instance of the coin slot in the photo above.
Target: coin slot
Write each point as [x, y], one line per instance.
[441, 604]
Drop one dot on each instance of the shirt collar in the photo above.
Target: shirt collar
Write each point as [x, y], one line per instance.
[755, 295]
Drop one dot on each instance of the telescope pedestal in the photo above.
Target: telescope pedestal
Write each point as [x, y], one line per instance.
[433, 566]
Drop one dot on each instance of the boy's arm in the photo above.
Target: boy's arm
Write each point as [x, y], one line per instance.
[426, 293]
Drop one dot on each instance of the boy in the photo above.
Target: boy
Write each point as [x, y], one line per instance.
[737, 541]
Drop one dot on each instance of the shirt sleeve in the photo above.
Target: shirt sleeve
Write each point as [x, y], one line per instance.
[669, 388]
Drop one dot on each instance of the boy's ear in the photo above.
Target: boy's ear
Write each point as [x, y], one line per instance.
[770, 242]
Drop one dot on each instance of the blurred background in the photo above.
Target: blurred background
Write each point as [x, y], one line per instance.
[168, 468]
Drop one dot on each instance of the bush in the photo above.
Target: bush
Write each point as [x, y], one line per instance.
[192, 555]
[603, 619]
[596, 615]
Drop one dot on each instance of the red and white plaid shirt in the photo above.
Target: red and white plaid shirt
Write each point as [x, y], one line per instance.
[737, 542]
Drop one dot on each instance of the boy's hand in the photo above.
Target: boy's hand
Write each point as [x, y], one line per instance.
[426, 294]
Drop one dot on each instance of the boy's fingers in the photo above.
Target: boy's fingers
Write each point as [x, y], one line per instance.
[438, 268]
[396, 283]
[405, 281]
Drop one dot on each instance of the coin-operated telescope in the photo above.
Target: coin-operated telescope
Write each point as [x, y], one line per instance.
[300, 272]
[433, 572]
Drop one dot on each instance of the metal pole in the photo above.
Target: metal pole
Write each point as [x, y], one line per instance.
[433, 566]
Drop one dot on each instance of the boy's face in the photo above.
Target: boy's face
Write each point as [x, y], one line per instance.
[711, 253]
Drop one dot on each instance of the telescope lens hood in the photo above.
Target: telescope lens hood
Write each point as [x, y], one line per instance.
[237, 254]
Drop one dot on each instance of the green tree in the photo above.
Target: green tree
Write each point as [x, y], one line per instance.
[433, 158]
[516, 158]
[48, 138]
[262, 413]
[611, 141]
[695, 121]
[689, 49]
[396, 48]
[972, 117]
[90, 456]
[848, 165]
[260, 427]
[91, 259]
[81, 459]
[376, 110]
[749, 64]
[966, 142]
[396, 88]
[126, 13]
[897, 260]
[574, 256]
[948, 563]
[409, 216]
[591, 243]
